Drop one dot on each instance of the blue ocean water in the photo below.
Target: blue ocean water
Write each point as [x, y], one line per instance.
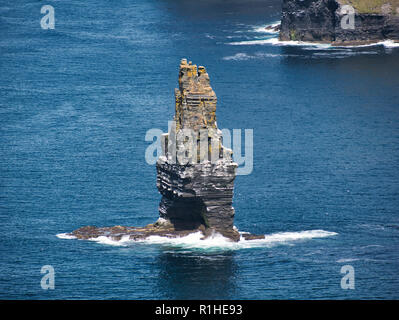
[77, 101]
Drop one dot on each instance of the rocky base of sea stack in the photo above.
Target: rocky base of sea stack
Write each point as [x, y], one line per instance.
[157, 229]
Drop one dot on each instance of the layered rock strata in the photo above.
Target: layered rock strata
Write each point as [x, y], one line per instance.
[327, 21]
[195, 173]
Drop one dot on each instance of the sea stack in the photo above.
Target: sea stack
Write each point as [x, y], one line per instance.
[196, 173]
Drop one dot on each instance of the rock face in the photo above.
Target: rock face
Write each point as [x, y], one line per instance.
[196, 173]
[322, 21]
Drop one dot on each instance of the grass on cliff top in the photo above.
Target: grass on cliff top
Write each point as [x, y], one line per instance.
[373, 6]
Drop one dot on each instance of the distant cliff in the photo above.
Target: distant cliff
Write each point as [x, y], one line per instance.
[333, 21]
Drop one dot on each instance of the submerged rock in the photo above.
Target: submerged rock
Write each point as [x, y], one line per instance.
[195, 173]
[273, 28]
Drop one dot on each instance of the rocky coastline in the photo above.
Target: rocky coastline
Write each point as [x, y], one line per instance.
[332, 21]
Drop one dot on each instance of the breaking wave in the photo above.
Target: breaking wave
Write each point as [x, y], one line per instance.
[65, 236]
[216, 242]
[386, 44]
[276, 42]
[263, 28]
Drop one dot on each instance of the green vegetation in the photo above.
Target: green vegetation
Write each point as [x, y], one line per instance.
[292, 35]
[374, 6]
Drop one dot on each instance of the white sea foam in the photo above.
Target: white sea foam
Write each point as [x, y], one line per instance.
[162, 221]
[342, 54]
[390, 44]
[259, 55]
[124, 241]
[65, 236]
[239, 57]
[385, 43]
[262, 28]
[345, 260]
[331, 53]
[217, 241]
[276, 42]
